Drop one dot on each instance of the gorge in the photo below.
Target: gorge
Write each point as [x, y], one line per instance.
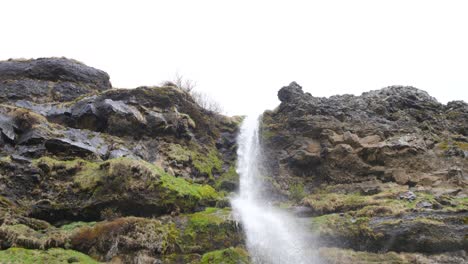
[94, 174]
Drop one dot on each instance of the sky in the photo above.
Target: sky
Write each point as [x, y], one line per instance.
[240, 53]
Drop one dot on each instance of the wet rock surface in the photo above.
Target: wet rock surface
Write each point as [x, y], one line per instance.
[129, 175]
[49, 79]
[383, 171]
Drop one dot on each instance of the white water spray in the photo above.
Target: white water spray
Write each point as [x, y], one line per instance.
[273, 236]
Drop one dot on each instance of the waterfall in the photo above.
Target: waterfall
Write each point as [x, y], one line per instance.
[273, 236]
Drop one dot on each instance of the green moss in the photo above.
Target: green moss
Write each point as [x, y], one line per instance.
[428, 221]
[146, 233]
[267, 134]
[385, 203]
[36, 235]
[124, 175]
[182, 188]
[226, 256]
[53, 255]
[75, 225]
[86, 174]
[179, 153]
[228, 180]
[453, 115]
[342, 226]
[5, 203]
[207, 164]
[446, 144]
[461, 204]
[462, 145]
[210, 229]
[181, 258]
[5, 159]
[297, 192]
[189, 119]
[342, 256]
[209, 216]
[324, 203]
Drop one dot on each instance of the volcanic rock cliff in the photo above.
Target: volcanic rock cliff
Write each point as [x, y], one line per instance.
[92, 173]
[384, 171]
[123, 175]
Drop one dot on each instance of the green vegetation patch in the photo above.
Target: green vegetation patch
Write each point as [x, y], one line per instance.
[447, 144]
[232, 255]
[323, 203]
[75, 225]
[51, 256]
[336, 255]
[86, 174]
[297, 192]
[343, 225]
[179, 153]
[124, 175]
[210, 229]
[183, 188]
[205, 163]
[151, 234]
[228, 180]
[22, 235]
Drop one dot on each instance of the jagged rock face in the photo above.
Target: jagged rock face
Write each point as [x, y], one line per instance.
[74, 151]
[351, 138]
[372, 171]
[49, 79]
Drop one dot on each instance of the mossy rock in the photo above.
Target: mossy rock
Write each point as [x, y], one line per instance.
[344, 256]
[206, 162]
[127, 186]
[228, 181]
[36, 234]
[131, 234]
[346, 226]
[413, 232]
[50, 256]
[177, 239]
[372, 222]
[226, 256]
[210, 229]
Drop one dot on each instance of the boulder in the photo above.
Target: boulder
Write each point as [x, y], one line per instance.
[49, 79]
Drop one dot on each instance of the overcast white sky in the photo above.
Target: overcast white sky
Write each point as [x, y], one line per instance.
[242, 52]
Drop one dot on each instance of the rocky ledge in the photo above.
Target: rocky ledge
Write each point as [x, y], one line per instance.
[384, 171]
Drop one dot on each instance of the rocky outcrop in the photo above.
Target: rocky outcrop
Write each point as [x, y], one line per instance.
[384, 171]
[132, 175]
[90, 173]
[171, 239]
[49, 79]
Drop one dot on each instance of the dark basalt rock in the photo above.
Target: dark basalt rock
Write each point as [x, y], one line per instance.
[337, 154]
[49, 79]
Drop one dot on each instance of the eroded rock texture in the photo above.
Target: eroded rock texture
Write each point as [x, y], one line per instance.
[123, 175]
[384, 171]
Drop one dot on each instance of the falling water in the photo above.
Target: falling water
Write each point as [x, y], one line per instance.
[273, 236]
